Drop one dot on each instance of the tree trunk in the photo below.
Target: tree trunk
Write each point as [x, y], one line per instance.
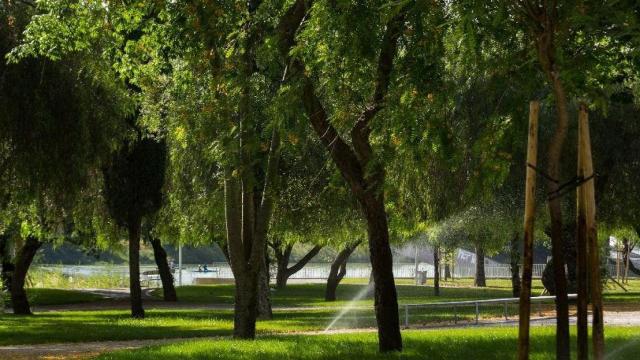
[447, 271]
[385, 296]
[7, 263]
[285, 272]
[23, 260]
[137, 311]
[265, 311]
[480, 279]
[160, 256]
[514, 255]
[282, 259]
[339, 270]
[436, 271]
[246, 306]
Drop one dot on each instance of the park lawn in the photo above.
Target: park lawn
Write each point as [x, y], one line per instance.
[102, 325]
[471, 343]
[312, 295]
[44, 297]
[82, 326]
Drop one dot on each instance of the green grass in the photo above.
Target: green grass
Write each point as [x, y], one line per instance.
[44, 297]
[54, 277]
[476, 343]
[82, 326]
[312, 295]
[164, 323]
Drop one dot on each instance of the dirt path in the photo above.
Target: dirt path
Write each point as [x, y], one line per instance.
[75, 351]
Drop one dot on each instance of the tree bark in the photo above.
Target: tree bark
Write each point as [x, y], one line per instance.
[135, 290]
[386, 298]
[514, 255]
[339, 270]
[160, 256]
[447, 271]
[436, 271]
[7, 263]
[265, 311]
[282, 260]
[19, 300]
[480, 278]
[246, 306]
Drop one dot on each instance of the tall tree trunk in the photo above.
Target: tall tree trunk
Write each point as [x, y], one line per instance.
[137, 311]
[557, 248]
[247, 226]
[246, 306]
[339, 270]
[436, 271]
[545, 35]
[480, 279]
[385, 296]
[23, 260]
[160, 256]
[447, 271]
[264, 290]
[514, 256]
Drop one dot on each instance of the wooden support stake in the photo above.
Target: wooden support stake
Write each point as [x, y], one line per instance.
[529, 219]
[592, 241]
[581, 248]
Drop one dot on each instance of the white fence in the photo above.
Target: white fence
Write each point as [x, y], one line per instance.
[471, 309]
[310, 271]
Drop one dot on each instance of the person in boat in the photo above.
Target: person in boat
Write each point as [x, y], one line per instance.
[205, 268]
[199, 268]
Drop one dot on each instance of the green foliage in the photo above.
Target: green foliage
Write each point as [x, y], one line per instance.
[134, 181]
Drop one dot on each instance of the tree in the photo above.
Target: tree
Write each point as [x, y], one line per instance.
[339, 269]
[55, 127]
[283, 254]
[356, 163]
[165, 272]
[133, 190]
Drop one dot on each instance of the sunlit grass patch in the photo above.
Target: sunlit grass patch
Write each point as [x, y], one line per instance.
[475, 343]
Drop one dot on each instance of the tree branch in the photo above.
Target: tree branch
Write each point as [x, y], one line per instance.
[267, 196]
[302, 262]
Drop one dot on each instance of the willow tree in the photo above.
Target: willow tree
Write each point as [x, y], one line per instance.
[133, 190]
[56, 126]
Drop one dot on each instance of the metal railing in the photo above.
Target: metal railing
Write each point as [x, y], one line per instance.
[476, 305]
